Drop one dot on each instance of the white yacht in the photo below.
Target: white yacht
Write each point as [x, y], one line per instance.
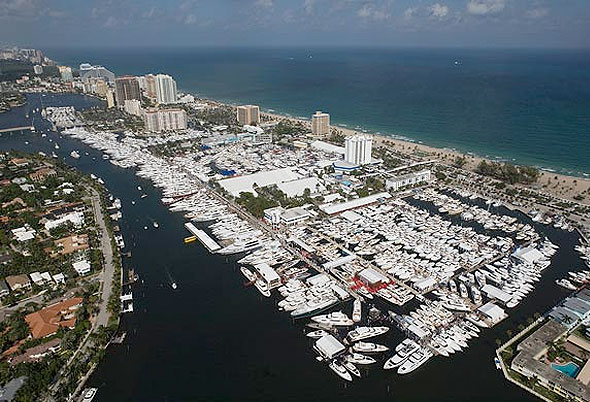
[366, 332]
[313, 306]
[417, 359]
[317, 334]
[75, 155]
[369, 347]
[336, 318]
[352, 368]
[89, 394]
[404, 350]
[356, 310]
[358, 358]
[340, 370]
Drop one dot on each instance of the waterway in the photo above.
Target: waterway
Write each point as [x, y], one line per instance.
[212, 339]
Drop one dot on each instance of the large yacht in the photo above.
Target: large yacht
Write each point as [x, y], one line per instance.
[337, 318]
[365, 333]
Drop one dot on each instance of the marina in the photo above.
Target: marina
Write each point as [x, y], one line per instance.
[403, 297]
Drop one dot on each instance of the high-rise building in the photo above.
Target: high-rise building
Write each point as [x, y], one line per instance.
[110, 98]
[158, 120]
[248, 114]
[133, 106]
[150, 86]
[101, 87]
[88, 71]
[38, 69]
[165, 89]
[126, 88]
[357, 149]
[66, 74]
[320, 124]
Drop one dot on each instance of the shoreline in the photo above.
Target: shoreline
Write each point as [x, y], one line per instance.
[552, 182]
[401, 138]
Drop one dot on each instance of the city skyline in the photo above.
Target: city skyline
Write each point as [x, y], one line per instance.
[382, 23]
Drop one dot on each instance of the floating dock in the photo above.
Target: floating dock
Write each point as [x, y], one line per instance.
[203, 237]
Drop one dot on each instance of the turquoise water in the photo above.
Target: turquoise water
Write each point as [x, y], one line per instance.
[530, 106]
[570, 369]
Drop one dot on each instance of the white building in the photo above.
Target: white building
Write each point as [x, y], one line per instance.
[133, 106]
[158, 120]
[38, 69]
[82, 267]
[358, 149]
[320, 124]
[248, 114]
[23, 234]
[165, 89]
[88, 71]
[75, 218]
[410, 179]
[66, 73]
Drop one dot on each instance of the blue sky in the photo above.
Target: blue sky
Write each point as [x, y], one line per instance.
[471, 23]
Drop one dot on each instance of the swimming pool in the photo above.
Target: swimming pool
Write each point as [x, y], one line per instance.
[569, 369]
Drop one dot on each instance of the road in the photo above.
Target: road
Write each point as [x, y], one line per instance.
[109, 269]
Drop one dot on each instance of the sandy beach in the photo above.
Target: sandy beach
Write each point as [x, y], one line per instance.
[559, 185]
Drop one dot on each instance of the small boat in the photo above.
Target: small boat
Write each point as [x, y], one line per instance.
[316, 334]
[340, 370]
[174, 286]
[89, 394]
[156, 224]
[356, 310]
[352, 368]
[75, 155]
[139, 188]
[497, 363]
[143, 195]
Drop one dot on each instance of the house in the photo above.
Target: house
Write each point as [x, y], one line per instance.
[47, 321]
[37, 278]
[70, 244]
[41, 174]
[59, 279]
[410, 179]
[4, 291]
[23, 234]
[18, 282]
[76, 218]
[82, 267]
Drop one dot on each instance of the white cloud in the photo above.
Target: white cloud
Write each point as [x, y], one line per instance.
[410, 12]
[308, 6]
[264, 3]
[485, 7]
[27, 9]
[537, 13]
[369, 12]
[190, 19]
[113, 22]
[438, 10]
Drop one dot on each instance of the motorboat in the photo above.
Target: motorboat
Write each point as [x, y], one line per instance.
[358, 358]
[365, 333]
[356, 310]
[416, 360]
[337, 318]
[369, 347]
[352, 368]
[340, 370]
[317, 334]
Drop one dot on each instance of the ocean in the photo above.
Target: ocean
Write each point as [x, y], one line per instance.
[214, 339]
[524, 106]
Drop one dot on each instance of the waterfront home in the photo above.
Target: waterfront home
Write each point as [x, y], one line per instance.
[82, 267]
[18, 282]
[47, 321]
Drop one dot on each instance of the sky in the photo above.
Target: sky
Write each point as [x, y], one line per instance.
[307, 23]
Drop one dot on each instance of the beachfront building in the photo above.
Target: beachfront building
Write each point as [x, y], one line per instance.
[358, 149]
[101, 87]
[88, 71]
[165, 89]
[248, 114]
[110, 95]
[126, 88]
[320, 124]
[410, 179]
[66, 74]
[158, 120]
[133, 106]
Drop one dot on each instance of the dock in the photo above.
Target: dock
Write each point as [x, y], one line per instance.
[203, 237]
[22, 128]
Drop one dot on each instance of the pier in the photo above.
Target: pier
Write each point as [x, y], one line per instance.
[203, 237]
